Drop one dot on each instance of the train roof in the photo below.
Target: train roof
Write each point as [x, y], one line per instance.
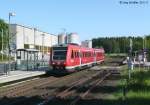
[76, 45]
[66, 45]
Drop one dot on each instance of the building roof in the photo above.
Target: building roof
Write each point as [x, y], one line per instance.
[33, 28]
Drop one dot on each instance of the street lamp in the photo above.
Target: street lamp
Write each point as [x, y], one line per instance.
[43, 46]
[11, 14]
[2, 43]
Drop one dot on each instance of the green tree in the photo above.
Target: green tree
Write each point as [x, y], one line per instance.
[4, 31]
[121, 44]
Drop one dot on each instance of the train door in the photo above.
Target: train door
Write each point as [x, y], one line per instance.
[95, 57]
[80, 57]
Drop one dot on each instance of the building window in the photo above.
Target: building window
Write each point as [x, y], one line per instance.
[26, 46]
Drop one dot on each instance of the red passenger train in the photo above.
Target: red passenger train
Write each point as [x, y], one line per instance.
[71, 57]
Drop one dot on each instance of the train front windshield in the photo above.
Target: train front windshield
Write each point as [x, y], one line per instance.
[59, 53]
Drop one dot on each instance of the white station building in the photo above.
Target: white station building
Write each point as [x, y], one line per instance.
[23, 37]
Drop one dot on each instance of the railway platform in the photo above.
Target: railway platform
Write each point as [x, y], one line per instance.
[19, 74]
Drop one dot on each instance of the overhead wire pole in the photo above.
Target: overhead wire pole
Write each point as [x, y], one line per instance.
[130, 65]
[143, 42]
[2, 44]
[43, 48]
[64, 32]
[144, 49]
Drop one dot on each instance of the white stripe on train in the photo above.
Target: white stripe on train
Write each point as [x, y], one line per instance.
[72, 67]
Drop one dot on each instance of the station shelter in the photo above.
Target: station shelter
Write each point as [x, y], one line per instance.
[27, 59]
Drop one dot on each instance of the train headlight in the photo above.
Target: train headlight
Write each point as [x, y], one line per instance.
[53, 63]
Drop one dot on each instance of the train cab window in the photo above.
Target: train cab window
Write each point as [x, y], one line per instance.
[59, 55]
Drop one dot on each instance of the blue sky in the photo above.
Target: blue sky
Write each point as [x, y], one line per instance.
[89, 18]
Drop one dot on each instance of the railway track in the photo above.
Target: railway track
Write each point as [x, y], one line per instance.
[68, 91]
[20, 88]
[96, 83]
[93, 82]
[30, 88]
[42, 91]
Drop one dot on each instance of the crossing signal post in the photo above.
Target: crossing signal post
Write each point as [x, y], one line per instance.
[129, 60]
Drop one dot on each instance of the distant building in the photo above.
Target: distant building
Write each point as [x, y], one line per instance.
[68, 38]
[73, 38]
[23, 37]
[62, 38]
[87, 43]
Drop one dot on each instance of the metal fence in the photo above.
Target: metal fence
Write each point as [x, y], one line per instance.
[5, 68]
[31, 65]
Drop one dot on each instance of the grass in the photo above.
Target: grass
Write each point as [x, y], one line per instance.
[116, 54]
[137, 89]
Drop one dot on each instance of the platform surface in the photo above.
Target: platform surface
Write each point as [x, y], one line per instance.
[19, 74]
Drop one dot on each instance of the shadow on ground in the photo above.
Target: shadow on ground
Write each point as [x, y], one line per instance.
[35, 100]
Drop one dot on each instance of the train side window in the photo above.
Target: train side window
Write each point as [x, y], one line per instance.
[78, 54]
[72, 54]
[75, 53]
[83, 54]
